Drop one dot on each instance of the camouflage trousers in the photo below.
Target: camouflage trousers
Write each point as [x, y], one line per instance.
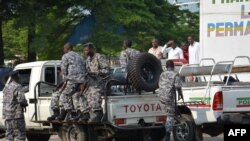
[65, 100]
[89, 101]
[170, 112]
[54, 103]
[15, 129]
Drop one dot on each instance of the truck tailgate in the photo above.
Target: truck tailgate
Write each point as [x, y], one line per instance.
[236, 99]
[135, 107]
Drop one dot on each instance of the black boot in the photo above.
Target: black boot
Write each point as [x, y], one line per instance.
[55, 114]
[76, 116]
[167, 137]
[69, 116]
[84, 117]
[62, 115]
[97, 116]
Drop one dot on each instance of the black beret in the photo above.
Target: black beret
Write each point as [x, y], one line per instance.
[89, 45]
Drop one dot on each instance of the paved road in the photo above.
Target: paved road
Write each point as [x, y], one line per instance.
[206, 138]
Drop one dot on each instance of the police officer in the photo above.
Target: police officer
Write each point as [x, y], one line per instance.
[98, 72]
[96, 63]
[54, 103]
[14, 103]
[127, 54]
[168, 84]
[74, 71]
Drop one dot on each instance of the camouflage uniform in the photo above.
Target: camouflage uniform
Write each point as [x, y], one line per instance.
[169, 81]
[127, 55]
[97, 64]
[54, 103]
[14, 102]
[74, 71]
[98, 69]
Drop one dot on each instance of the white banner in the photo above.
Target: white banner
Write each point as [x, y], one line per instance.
[224, 29]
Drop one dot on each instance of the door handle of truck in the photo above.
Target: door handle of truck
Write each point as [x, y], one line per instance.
[32, 100]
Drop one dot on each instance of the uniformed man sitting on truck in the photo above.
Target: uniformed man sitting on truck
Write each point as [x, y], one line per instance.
[14, 106]
[98, 72]
[74, 71]
[168, 84]
[54, 103]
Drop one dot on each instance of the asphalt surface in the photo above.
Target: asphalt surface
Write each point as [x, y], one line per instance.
[205, 136]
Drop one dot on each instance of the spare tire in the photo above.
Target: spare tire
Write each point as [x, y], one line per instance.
[144, 72]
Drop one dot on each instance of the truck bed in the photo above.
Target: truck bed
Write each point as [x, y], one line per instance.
[133, 108]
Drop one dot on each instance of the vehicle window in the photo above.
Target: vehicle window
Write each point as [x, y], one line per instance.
[24, 77]
[46, 90]
[49, 75]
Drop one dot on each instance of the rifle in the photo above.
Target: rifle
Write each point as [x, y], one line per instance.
[62, 85]
[83, 88]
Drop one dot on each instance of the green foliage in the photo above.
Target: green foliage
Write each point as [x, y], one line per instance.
[7, 11]
[116, 20]
[142, 21]
[15, 40]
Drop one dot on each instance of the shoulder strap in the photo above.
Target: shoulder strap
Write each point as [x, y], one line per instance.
[173, 84]
[98, 59]
[15, 96]
[128, 56]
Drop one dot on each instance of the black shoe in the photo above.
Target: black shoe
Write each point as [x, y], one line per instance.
[55, 114]
[84, 117]
[75, 116]
[62, 115]
[97, 116]
[69, 115]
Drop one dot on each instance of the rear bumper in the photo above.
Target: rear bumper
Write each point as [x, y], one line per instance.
[156, 132]
[138, 127]
[238, 118]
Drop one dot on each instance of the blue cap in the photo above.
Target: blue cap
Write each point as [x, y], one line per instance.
[13, 73]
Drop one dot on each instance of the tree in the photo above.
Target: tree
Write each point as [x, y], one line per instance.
[7, 10]
[117, 20]
[48, 24]
[29, 14]
[15, 40]
[140, 21]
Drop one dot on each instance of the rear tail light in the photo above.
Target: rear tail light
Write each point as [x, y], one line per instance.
[119, 121]
[218, 101]
[161, 118]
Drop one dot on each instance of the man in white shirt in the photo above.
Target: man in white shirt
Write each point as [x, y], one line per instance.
[193, 50]
[155, 49]
[174, 52]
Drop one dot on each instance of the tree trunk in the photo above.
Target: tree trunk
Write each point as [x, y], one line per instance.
[31, 35]
[1, 44]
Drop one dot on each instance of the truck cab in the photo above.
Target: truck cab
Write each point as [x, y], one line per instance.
[30, 74]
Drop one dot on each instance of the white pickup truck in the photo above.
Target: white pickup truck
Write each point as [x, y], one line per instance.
[127, 116]
[212, 101]
[132, 115]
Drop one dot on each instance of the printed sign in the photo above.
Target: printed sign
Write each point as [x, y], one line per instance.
[243, 102]
[224, 29]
